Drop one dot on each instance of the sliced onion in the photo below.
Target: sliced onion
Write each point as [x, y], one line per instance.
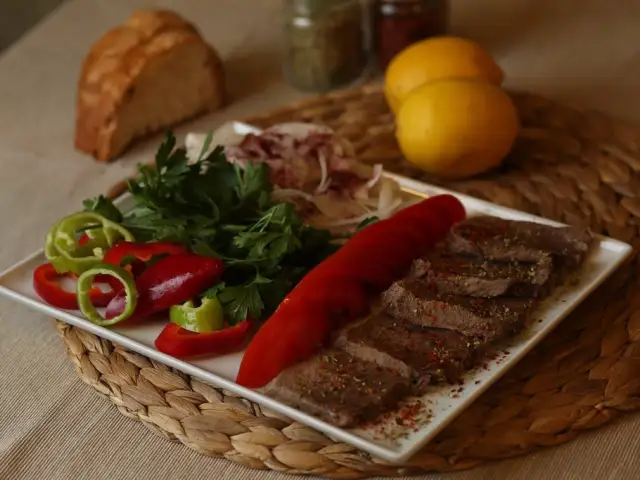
[284, 193]
[361, 194]
[291, 151]
[333, 205]
[194, 143]
[377, 175]
[324, 171]
[390, 210]
[298, 130]
[385, 197]
[350, 221]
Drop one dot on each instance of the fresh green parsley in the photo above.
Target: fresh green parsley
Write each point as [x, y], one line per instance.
[221, 210]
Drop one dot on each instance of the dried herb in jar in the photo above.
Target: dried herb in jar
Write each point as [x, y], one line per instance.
[324, 43]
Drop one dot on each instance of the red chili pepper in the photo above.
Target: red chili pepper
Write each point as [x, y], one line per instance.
[331, 293]
[373, 271]
[170, 281]
[383, 251]
[346, 299]
[45, 285]
[290, 339]
[300, 327]
[441, 206]
[181, 343]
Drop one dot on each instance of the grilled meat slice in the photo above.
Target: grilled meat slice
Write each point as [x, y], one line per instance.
[425, 355]
[339, 389]
[487, 319]
[499, 239]
[476, 277]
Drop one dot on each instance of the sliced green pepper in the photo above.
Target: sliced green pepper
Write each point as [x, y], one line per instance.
[85, 284]
[208, 317]
[63, 251]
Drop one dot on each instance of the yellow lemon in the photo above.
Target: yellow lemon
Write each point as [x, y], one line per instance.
[433, 59]
[457, 128]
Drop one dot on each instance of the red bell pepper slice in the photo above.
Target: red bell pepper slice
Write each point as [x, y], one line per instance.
[181, 343]
[141, 251]
[374, 257]
[170, 281]
[84, 238]
[46, 286]
[136, 256]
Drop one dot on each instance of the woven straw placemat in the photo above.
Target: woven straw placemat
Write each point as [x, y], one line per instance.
[570, 165]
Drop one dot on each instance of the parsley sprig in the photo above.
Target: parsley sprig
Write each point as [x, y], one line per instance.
[221, 210]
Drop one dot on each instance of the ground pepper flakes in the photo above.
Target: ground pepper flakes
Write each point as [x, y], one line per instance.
[408, 415]
[409, 418]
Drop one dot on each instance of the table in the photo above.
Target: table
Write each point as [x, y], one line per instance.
[52, 426]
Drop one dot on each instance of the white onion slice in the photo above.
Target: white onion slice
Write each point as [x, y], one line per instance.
[377, 175]
[283, 193]
[324, 180]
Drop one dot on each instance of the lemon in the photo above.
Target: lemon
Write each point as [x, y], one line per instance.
[457, 128]
[437, 58]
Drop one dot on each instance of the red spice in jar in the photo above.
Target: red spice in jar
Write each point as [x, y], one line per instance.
[399, 23]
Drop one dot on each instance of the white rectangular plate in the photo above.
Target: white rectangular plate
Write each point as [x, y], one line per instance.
[445, 403]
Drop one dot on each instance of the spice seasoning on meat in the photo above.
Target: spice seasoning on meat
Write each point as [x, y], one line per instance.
[399, 23]
[324, 43]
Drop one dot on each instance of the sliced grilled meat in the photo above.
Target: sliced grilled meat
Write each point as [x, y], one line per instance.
[480, 285]
[488, 319]
[499, 239]
[425, 355]
[339, 389]
[477, 277]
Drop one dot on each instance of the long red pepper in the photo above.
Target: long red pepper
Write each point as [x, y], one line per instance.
[368, 262]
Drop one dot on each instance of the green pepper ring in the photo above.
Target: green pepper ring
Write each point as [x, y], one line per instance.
[61, 237]
[206, 318]
[85, 283]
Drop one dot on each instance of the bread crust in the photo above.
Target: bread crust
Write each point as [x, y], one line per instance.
[114, 63]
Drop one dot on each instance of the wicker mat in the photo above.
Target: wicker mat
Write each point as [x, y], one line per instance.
[570, 165]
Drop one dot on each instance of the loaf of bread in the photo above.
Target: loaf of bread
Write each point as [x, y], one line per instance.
[150, 73]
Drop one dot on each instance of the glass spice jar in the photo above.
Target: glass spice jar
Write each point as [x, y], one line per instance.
[324, 43]
[399, 23]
